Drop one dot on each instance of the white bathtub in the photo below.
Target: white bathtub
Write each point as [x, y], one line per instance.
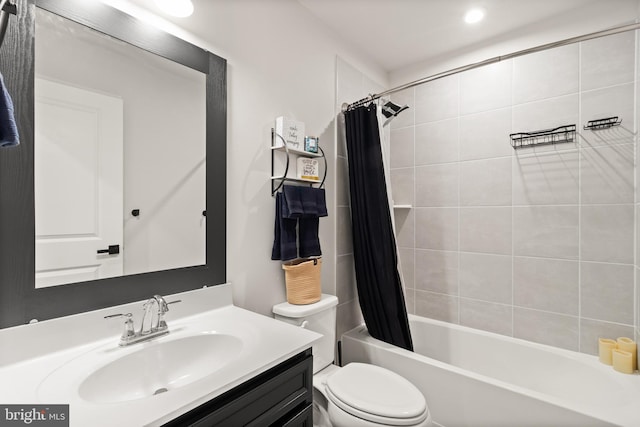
[476, 379]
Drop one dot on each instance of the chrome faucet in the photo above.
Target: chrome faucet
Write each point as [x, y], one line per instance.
[150, 327]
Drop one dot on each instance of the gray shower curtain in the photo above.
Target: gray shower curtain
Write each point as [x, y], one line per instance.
[374, 247]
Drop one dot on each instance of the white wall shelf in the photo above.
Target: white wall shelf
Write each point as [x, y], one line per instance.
[402, 206]
[277, 181]
[297, 152]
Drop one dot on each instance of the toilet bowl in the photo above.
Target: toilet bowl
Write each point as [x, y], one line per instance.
[362, 395]
[358, 394]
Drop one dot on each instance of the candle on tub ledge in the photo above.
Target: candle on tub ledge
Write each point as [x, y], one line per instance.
[629, 345]
[605, 347]
[622, 361]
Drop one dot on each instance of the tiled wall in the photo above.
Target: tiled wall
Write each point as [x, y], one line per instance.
[535, 243]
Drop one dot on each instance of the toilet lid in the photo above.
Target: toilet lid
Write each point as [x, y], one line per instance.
[376, 394]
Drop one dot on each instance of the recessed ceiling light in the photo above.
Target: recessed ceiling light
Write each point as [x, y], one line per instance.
[473, 16]
[179, 8]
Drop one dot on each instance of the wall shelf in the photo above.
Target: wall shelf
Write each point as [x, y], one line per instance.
[310, 181]
[605, 123]
[566, 133]
[10, 8]
[277, 181]
[296, 151]
[402, 206]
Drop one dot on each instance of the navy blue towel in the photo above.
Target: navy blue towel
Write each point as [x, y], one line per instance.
[304, 202]
[299, 207]
[8, 129]
[309, 242]
[284, 241]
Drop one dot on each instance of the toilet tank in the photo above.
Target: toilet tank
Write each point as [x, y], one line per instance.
[319, 317]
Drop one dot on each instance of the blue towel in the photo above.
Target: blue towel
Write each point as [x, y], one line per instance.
[8, 129]
[285, 239]
[301, 207]
[309, 242]
[304, 202]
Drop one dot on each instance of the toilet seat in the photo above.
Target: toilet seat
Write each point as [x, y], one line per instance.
[377, 395]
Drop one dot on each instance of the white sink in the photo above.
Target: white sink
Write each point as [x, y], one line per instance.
[213, 347]
[143, 371]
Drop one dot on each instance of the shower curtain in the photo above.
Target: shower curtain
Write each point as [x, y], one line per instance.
[374, 247]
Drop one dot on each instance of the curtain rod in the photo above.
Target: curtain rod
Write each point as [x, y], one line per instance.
[611, 31]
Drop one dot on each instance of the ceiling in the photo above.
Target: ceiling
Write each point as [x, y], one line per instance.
[399, 33]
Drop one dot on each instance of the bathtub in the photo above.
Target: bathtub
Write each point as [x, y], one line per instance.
[476, 379]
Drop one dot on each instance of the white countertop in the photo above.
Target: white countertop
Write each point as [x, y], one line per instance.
[24, 365]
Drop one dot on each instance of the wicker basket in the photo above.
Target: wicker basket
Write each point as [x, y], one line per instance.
[302, 278]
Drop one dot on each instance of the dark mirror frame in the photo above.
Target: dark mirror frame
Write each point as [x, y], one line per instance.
[20, 301]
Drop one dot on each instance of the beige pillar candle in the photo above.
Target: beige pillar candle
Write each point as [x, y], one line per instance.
[622, 361]
[627, 344]
[605, 345]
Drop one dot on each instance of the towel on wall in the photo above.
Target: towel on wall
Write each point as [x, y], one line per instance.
[304, 202]
[284, 242]
[301, 207]
[8, 129]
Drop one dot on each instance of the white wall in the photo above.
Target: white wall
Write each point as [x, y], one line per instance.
[281, 61]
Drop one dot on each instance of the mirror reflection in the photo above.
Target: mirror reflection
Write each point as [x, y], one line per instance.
[119, 157]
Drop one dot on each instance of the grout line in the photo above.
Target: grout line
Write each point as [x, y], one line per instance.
[513, 222]
[413, 218]
[580, 148]
[636, 308]
[459, 173]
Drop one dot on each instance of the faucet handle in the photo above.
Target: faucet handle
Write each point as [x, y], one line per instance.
[173, 302]
[113, 316]
[128, 330]
[163, 307]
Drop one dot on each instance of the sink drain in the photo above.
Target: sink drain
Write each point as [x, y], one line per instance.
[160, 390]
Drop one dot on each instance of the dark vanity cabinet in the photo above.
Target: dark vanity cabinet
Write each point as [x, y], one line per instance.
[281, 396]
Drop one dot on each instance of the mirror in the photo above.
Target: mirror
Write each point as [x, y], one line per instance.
[119, 157]
[20, 300]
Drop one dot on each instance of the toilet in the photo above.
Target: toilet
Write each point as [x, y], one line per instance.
[358, 394]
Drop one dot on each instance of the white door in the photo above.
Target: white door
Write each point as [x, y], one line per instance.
[78, 184]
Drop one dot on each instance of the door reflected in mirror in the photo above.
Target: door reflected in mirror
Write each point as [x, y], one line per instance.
[119, 157]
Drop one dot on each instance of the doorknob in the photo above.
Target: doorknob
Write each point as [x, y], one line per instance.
[111, 250]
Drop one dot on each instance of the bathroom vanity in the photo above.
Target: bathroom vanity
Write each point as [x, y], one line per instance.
[218, 365]
[281, 396]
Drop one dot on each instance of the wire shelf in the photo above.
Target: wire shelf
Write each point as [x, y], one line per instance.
[9, 8]
[566, 133]
[605, 123]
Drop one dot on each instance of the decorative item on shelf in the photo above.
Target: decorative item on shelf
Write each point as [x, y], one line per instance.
[308, 168]
[622, 354]
[302, 279]
[292, 131]
[605, 348]
[605, 123]
[278, 179]
[622, 361]
[311, 144]
[629, 345]
[566, 133]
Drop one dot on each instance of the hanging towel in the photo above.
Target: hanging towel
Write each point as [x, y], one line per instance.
[304, 202]
[309, 242]
[284, 241]
[301, 207]
[8, 129]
